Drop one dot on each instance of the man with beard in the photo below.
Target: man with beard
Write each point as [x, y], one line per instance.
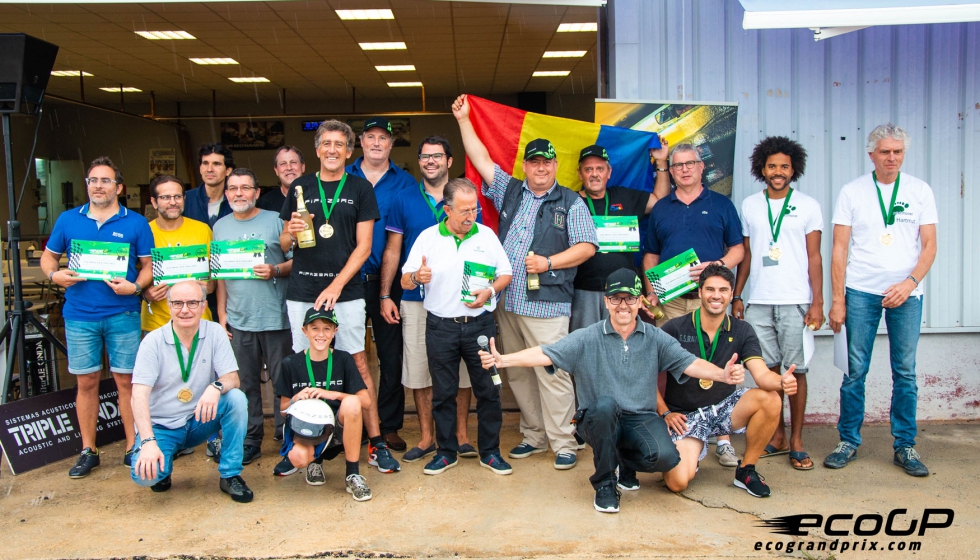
[594, 168]
[254, 311]
[170, 229]
[410, 215]
[288, 165]
[782, 229]
[207, 202]
[101, 314]
[389, 181]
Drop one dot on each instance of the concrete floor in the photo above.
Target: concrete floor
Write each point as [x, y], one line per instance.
[470, 512]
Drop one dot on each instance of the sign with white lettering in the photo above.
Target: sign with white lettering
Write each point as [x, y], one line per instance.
[44, 429]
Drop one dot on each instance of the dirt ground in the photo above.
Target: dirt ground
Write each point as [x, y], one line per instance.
[469, 512]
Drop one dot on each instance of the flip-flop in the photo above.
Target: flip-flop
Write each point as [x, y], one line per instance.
[799, 457]
[772, 451]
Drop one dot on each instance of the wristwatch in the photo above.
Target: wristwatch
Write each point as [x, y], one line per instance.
[217, 385]
[139, 289]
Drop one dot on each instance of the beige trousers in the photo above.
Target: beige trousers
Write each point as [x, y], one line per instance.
[678, 307]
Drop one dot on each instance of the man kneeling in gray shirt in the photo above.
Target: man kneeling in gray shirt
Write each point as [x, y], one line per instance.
[615, 363]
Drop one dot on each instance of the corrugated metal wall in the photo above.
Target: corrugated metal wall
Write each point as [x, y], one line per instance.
[828, 95]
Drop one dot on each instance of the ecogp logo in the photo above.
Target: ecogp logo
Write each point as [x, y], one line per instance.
[846, 532]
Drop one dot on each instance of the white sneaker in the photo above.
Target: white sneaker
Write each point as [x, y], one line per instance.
[726, 455]
[314, 475]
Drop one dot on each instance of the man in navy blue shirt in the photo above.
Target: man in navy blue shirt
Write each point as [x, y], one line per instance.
[207, 202]
[388, 180]
[100, 313]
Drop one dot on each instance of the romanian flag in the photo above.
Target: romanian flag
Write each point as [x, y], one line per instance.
[505, 131]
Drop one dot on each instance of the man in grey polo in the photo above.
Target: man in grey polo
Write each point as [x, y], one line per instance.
[254, 311]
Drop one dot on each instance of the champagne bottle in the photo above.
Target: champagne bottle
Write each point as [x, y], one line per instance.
[654, 310]
[533, 283]
[305, 238]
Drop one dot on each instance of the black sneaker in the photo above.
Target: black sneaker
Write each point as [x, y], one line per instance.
[163, 485]
[627, 480]
[128, 457]
[213, 449]
[235, 487]
[751, 481]
[250, 453]
[607, 499]
[284, 467]
[87, 461]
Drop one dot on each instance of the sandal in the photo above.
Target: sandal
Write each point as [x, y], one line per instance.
[772, 451]
[797, 458]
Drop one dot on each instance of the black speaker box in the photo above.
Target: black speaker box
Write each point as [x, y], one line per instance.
[25, 67]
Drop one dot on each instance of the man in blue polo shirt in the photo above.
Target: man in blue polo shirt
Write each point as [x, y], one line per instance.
[101, 313]
[692, 217]
[388, 180]
[207, 202]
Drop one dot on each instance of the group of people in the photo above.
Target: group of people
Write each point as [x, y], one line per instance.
[585, 336]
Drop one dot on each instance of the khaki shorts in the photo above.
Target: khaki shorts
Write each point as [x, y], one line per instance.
[415, 362]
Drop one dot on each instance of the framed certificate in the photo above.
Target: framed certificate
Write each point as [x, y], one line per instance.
[617, 234]
[99, 260]
[672, 278]
[233, 260]
[173, 264]
[476, 277]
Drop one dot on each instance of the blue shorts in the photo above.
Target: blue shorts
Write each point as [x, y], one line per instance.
[119, 334]
[336, 443]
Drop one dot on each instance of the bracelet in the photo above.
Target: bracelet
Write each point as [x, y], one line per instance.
[736, 298]
[664, 415]
[549, 263]
[384, 297]
[414, 281]
[493, 292]
[912, 278]
[661, 170]
[51, 276]
[277, 270]
[144, 441]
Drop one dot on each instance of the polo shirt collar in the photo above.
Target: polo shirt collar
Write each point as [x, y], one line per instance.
[122, 213]
[607, 327]
[726, 325]
[704, 194]
[359, 161]
[169, 338]
[444, 231]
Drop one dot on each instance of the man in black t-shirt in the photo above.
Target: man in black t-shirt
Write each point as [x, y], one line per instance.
[328, 275]
[322, 373]
[695, 412]
[588, 305]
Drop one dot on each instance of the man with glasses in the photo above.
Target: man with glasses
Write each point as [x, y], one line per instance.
[389, 181]
[185, 389]
[615, 364]
[412, 213]
[692, 217]
[100, 313]
[462, 267]
[537, 216]
[207, 202]
[254, 311]
[170, 229]
[288, 166]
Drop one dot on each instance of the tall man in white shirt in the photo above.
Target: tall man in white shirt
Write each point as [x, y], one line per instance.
[884, 244]
[782, 229]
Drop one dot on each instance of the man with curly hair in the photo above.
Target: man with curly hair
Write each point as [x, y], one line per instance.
[782, 229]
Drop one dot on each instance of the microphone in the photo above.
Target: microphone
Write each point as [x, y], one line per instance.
[485, 346]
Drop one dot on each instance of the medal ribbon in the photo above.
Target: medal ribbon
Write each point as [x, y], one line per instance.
[185, 371]
[309, 369]
[323, 197]
[592, 208]
[889, 215]
[437, 214]
[714, 343]
[775, 226]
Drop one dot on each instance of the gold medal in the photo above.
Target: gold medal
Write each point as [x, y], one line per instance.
[886, 239]
[185, 395]
[705, 383]
[326, 231]
[775, 253]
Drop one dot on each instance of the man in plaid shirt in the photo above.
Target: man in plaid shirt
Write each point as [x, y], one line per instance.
[536, 215]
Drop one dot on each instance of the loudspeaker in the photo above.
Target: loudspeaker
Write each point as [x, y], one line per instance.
[25, 67]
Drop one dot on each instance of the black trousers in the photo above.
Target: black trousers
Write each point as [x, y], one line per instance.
[635, 442]
[446, 342]
[388, 341]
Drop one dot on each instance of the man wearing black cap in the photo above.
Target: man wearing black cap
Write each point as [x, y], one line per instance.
[615, 363]
[546, 232]
[388, 180]
[612, 209]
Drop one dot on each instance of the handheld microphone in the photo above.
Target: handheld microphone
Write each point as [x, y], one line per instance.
[485, 346]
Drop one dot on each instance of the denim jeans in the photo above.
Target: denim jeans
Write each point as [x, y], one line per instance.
[903, 322]
[231, 421]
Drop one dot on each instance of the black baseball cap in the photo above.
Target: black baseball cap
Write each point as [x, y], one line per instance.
[376, 122]
[624, 281]
[593, 150]
[312, 314]
[539, 147]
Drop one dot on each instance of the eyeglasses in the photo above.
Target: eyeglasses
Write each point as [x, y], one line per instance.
[243, 189]
[93, 181]
[684, 165]
[165, 198]
[630, 300]
[192, 304]
[472, 211]
[433, 157]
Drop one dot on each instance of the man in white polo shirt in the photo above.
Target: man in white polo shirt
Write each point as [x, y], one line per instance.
[884, 244]
[461, 267]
